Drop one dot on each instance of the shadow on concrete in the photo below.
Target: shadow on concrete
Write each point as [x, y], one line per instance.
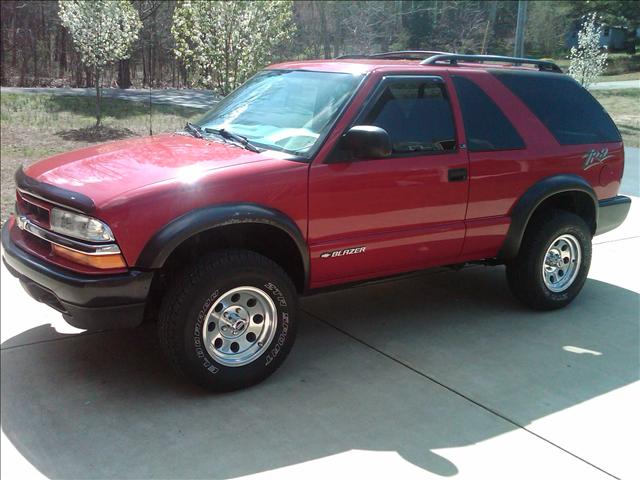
[466, 330]
[105, 405]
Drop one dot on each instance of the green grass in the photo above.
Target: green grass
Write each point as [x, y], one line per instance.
[620, 77]
[624, 108]
[38, 126]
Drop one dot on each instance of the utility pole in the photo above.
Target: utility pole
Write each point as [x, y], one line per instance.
[518, 48]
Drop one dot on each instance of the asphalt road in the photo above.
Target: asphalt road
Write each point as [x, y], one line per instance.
[440, 375]
[172, 96]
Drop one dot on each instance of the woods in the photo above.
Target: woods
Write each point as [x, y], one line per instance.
[37, 50]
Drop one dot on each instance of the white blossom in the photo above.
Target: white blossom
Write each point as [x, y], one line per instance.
[103, 31]
[224, 42]
[587, 59]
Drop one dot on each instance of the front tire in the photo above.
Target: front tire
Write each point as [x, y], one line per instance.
[229, 320]
[553, 262]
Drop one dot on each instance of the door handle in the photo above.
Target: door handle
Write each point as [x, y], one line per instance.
[457, 174]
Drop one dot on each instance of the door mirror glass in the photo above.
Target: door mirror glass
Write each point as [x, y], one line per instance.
[367, 141]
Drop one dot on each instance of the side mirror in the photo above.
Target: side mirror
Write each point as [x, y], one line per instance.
[367, 141]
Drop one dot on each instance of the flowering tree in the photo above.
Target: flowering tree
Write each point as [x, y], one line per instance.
[224, 42]
[103, 31]
[587, 60]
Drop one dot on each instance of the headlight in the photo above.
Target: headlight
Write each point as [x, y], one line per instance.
[79, 226]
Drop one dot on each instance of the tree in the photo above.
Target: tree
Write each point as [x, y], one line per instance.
[224, 42]
[547, 27]
[587, 59]
[615, 13]
[103, 32]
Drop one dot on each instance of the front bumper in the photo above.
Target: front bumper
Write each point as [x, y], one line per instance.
[91, 302]
[612, 212]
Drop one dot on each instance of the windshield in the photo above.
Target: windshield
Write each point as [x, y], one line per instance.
[288, 110]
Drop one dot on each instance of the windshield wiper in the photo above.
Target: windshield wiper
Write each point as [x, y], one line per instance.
[235, 137]
[193, 129]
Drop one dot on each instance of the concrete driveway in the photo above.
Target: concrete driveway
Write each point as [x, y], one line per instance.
[440, 375]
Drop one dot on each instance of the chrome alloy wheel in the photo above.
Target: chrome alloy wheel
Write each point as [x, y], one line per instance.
[240, 326]
[562, 263]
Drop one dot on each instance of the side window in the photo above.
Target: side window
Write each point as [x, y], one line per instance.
[417, 116]
[486, 126]
[568, 110]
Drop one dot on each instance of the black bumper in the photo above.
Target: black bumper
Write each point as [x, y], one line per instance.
[91, 302]
[612, 213]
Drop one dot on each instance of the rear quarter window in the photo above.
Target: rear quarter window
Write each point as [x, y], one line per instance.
[567, 109]
[487, 128]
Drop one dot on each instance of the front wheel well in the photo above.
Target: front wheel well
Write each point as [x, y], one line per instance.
[264, 239]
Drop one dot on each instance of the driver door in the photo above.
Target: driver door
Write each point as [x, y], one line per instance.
[372, 217]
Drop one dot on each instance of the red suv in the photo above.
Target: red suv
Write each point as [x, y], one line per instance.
[315, 174]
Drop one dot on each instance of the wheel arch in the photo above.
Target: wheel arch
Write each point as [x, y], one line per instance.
[264, 230]
[567, 192]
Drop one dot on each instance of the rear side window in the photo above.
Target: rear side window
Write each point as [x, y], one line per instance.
[416, 114]
[567, 109]
[486, 126]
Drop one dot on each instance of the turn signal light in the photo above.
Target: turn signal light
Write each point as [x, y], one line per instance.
[112, 260]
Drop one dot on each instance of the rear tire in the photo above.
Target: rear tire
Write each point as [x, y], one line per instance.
[228, 320]
[553, 261]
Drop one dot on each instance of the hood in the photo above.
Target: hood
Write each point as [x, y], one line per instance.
[105, 171]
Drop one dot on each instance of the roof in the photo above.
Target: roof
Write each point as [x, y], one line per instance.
[353, 66]
[412, 60]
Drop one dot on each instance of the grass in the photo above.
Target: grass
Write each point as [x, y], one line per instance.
[620, 66]
[38, 126]
[619, 77]
[624, 108]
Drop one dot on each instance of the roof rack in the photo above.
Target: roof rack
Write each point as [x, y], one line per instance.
[396, 55]
[407, 54]
[434, 57]
[354, 56]
[453, 58]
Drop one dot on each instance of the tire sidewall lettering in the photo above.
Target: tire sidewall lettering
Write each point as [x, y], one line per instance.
[200, 351]
[276, 293]
[273, 353]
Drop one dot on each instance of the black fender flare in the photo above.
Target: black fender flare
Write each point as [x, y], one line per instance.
[168, 238]
[528, 203]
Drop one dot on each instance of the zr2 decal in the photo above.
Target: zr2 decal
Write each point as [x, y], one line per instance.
[341, 253]
[595, 157]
